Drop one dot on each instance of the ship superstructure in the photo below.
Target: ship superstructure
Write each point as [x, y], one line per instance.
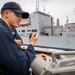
[38, 22]
[50, 35]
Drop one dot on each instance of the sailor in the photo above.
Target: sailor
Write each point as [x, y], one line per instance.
[14, 61]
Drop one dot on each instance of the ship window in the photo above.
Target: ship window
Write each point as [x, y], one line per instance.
[60, 34]
[68, 35]
[29, 23]
[28, 30]
[34, 30]
[23, 30]
[19, 31]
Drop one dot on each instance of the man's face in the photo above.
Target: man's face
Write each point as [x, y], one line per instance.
[13, 19]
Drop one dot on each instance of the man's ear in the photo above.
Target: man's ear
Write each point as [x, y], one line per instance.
[6, 13]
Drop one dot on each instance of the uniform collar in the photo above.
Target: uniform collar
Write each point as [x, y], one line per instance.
[3, 23]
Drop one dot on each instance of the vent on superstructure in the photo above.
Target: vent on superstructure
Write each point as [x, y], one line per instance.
[28, 30]
[34, 30]
[23, 30]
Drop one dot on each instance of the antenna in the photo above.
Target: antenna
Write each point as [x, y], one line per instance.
[57, 22]
[74, 14]
[37, 5]
[44, 8]
[67, 19]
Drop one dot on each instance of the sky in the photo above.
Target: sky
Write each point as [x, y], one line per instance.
[56, 8]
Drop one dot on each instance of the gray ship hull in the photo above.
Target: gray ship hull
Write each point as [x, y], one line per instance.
[66, 41]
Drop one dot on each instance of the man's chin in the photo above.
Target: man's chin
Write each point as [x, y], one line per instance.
[16, 25]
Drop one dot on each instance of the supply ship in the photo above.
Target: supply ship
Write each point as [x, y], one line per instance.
[50, 35]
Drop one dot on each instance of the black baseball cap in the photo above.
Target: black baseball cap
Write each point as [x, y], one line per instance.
[15, 7]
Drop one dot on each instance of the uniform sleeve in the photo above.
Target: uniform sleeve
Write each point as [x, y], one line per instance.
[11, 55]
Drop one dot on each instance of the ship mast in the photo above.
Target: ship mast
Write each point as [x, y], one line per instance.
[44, 8]
[67, 20]
[37, 5]
[74, 14]
[57, 22]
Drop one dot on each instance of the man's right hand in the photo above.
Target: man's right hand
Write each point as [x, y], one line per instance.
[33, 38]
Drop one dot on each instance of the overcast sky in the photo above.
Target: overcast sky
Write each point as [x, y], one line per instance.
[56, 8]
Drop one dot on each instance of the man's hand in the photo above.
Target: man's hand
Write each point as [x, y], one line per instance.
[19, 42]
[23, 48]
[43, 56]
[33, 38]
